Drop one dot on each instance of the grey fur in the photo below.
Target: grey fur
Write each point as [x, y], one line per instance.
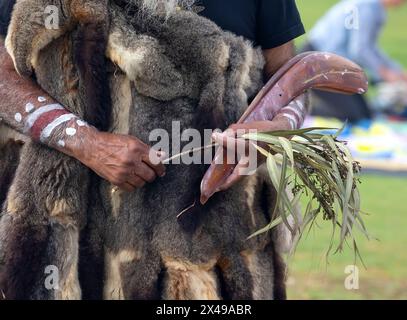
[194, 73]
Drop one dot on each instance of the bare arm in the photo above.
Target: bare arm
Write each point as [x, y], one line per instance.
[24, 106]
[289, 117]
[364, 49]
[293, 114]
[277, 57]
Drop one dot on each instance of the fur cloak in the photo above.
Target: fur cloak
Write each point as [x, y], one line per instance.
[117, 245]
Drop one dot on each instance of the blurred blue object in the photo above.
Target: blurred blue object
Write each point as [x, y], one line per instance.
[351, 29]
[378, 144]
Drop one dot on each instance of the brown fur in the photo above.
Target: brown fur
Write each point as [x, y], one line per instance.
[51, 208]
[9, 159]
[202, 77]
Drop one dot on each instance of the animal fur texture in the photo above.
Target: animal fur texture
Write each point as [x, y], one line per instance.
[47, 204]
[116, 245]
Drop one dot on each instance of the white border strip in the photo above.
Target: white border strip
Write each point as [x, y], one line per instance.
[294, 110]
[292, 119]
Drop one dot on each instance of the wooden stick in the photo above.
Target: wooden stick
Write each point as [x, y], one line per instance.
[179, 155]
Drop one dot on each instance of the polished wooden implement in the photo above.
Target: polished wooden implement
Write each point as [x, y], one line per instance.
[309, 70]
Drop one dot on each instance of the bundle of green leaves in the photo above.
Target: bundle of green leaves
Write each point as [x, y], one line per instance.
[308, 163]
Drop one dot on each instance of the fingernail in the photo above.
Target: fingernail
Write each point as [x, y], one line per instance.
[161, 154]
[217, 136]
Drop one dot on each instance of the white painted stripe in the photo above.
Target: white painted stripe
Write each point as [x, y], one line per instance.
[294, 110]
[46, 133]
[300, 105]
[292, 124]
[292, 118]
[37, 113]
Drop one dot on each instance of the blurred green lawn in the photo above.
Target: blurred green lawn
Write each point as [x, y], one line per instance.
[311, 276]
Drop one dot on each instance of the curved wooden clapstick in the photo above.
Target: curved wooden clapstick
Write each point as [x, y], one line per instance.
[310, 70]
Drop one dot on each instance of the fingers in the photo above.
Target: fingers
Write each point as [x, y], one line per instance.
[143, 171]
[137, 176]
[154, 160]
[231, 180]
[244, 168]
[123, 160]
[133, 185]
[134, 182]
[256, 126]
[126, 187]
[146, 161]
[228, 140]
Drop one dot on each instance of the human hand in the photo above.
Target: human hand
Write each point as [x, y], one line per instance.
[123, 160]
[247, 155]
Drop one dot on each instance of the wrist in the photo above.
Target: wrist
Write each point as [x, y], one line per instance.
[80, 146]
[293, 115]
[66, 133]
[284, 121]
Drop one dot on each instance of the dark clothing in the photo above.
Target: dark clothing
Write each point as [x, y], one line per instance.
[343, 107]
[268, 23]
[6, 6]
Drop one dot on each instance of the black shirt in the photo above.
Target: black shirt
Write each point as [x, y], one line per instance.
[268, 23]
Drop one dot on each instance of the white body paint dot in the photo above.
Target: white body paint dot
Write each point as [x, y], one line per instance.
[29, 107]
[18, 117]
[70, 131]
[41, 99]
[80, 123]
[61, 143]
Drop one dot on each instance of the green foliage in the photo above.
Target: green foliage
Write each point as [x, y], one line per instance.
[382, 196]
[320, 167]
[312, 276]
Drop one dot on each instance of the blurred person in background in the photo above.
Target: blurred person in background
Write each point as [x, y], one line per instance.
[351, 29]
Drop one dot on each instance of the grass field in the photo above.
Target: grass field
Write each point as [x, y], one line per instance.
[383, 197]
[385, 277]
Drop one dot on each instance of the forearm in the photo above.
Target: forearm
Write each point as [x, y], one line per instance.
[277, 57]
[388, 62]
[294, 113]
[25, 107]
[123, 160]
